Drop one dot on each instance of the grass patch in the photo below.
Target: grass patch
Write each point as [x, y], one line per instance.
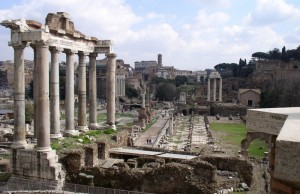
[233, 133]
[4, 176]
[150, 124]
[93, 133]
[109, 131]
[118, 115]
[101, 117]
[82, 139]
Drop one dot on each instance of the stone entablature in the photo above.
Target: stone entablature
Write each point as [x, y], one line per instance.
[23, 31]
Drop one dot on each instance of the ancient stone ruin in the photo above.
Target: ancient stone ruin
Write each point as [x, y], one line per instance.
[56, 36]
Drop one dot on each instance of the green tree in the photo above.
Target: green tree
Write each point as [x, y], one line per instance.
[275, 54]
[62, 88]
[180, 80]
[166, 91]
[28, 112]
[131, 92]
[29, 91]
[260, 55]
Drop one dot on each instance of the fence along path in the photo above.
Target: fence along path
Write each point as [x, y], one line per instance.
[18, 185]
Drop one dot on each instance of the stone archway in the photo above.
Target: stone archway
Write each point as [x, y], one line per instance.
[252, 136]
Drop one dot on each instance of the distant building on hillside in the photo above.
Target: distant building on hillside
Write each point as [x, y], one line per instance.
[249, 97]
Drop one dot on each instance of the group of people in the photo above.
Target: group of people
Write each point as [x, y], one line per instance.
[149, 141]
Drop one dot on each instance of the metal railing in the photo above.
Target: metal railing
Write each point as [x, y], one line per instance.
[19, 185]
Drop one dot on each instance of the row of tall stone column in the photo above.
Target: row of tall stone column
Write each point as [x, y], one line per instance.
[44, 111]
[214, 89]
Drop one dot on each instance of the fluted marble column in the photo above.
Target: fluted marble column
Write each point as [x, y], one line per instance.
[93, 90]
[220, 90]
[82, 123]
[208, 89]
[111, 89]
[69, 97]
[214, 89]
[42, 97]
[19, 98]
[54, 94]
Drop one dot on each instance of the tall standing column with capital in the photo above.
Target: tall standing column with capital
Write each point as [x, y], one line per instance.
[93, 90]
[82, 123]
[42, 97]
[54, 93]
[111, 89]
[214, 89]
[220, 90]
[19, 98]
[208, 89]
[69, 97]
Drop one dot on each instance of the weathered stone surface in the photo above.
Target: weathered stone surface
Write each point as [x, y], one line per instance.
[283, 123]
[34, 24]
[36, 165]
[266, 122]
[243, 167]
[60, 21]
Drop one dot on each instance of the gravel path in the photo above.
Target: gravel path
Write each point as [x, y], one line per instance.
[152, 132]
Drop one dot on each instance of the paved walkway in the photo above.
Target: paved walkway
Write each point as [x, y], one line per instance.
[152, 132]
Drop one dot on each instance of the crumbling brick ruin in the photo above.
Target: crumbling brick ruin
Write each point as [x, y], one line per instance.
[153, 174]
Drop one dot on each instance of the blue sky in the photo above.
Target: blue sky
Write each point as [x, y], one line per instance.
[190, 34]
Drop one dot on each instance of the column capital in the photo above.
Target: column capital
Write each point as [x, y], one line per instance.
[55, 49]
[82, 53]
[70, 51]
[111, 55]
[40, 43]
[93, 55]
[19, 45]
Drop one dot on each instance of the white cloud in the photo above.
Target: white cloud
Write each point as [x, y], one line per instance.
[207, 39]
[213, 3]
[272, 11]
[214, 19]
[153, 15]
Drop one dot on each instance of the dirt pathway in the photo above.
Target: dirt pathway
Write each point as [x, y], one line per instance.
[152, 132]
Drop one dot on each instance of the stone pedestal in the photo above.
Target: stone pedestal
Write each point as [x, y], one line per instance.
[143, 117]
[149, 114]
[36, 165]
